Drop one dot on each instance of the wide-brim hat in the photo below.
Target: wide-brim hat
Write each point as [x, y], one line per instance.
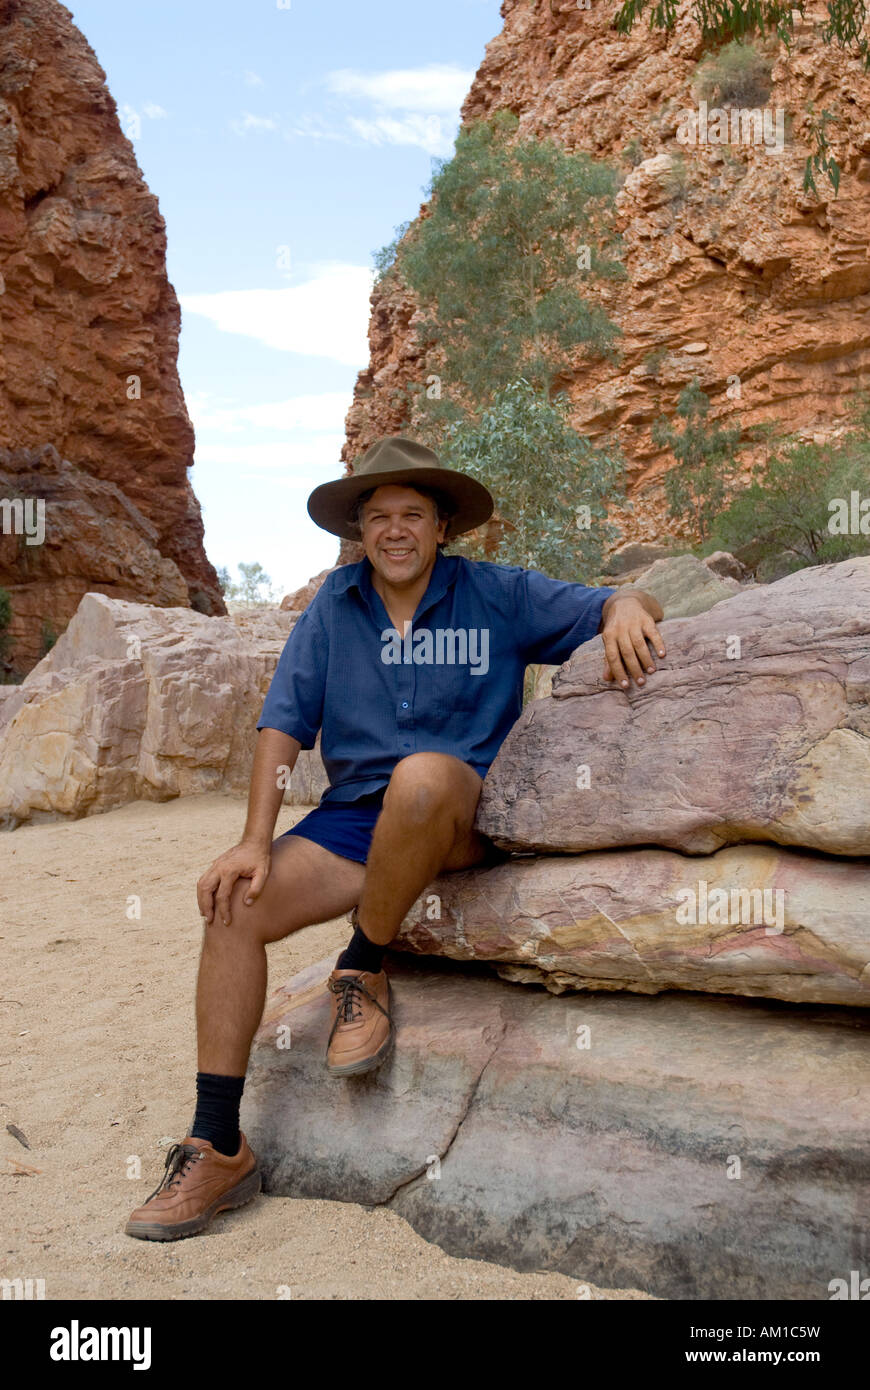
[399, 460]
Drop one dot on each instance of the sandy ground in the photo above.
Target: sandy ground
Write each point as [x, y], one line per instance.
[98, 1066]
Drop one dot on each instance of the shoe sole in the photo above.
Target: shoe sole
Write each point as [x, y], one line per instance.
[365, 1063]
[237, 1196]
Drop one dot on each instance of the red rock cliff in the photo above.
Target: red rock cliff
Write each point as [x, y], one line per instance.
[86, 305]
[734, 271]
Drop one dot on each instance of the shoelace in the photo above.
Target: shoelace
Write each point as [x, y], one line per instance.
[351, 990]
[177, 1160]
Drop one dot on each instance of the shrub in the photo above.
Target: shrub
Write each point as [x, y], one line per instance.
[738, 75]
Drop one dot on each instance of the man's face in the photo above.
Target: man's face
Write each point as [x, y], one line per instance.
[400, 532]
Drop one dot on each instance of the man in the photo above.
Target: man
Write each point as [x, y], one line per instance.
[411, 665]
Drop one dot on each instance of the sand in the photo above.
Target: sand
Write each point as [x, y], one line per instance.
[97, 1071]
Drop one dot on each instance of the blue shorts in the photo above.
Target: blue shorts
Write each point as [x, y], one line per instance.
[345, 827]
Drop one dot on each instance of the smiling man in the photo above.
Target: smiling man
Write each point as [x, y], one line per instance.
[410, 664]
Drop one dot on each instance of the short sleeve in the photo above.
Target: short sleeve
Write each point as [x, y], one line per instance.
[294, 703]
[554, 617]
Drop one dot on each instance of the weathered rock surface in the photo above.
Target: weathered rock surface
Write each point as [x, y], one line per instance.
[756, 726]
[300, 598]
[693, 1148]
[85, 303]
[685, 586]
[682, 584]
[95, 541]
[750, 920]
[735, 274]
[135, 702]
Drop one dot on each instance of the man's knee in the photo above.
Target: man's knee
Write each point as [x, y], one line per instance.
[424, 785]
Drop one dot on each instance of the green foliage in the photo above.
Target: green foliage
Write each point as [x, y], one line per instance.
[784, 519]
[496, 266]
[48, 636]
[385, 258]
[254, 586]
[654, 359]
[225, 583]
[732, 19]
[737, 75]
[706, 466]
[632, 153]
[542, 474]
[819, 159]
[5, 639]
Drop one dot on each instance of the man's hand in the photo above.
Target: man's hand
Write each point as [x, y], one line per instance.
[628, 624]
[245, 860]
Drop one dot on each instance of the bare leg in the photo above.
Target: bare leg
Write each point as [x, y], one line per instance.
[307, 884]
[424, 827]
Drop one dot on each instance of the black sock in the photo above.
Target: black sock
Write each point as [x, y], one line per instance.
[217, 1111]
[361, 954]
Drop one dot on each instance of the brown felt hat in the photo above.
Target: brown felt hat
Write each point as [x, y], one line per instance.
[399, 460]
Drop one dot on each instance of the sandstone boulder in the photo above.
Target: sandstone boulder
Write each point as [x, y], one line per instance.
[749, 920]
[693, 1148]
[726, 565]
[135, 702]
[756, 727]
[684, 585]
[300, 598]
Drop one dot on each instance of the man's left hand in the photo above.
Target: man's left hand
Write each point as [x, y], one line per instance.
[628, 628]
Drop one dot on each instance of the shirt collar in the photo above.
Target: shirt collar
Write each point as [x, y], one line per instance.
[359, 577]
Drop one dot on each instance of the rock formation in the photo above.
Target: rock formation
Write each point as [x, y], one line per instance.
[136, 702]
[692, 1148]
[735, 274]
[88, 332]
[750, 920]
[756, 726]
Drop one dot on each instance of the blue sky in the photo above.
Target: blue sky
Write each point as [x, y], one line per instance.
[285, 143]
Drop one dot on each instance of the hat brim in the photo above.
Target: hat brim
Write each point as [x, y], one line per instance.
[329, 504]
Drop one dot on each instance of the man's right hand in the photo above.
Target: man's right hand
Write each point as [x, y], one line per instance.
[214, 889]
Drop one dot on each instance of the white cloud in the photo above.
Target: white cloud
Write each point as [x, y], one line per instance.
[426, 131]
[438, 87]
[155, 112]
[249, 122]
[302, 463]
[253, 79]
[324, 411]
[327, 316]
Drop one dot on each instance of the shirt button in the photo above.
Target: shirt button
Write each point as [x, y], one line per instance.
[404, 704]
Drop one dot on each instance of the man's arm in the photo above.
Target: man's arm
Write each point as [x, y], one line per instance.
[252, 856]
[628, 623]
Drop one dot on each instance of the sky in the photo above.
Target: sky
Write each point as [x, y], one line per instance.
[285, 143]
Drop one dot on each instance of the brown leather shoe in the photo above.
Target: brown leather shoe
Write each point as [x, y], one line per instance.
[197, 1183]
[362, 1028]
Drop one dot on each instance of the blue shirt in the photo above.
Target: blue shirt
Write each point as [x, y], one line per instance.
[452, 684]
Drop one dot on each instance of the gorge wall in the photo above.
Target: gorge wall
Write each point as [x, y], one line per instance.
[733, 270]
[85, 305]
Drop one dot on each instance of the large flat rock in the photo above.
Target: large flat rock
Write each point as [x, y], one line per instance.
[751, 920]
[696, 1148]
[755, 727]
[140, 702]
